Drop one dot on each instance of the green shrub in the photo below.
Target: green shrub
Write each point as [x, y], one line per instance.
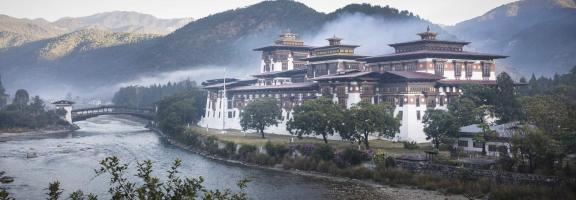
[211, 142]
[357, 172]
[410, 145]
[230, 148]
[300, 163]
[323, 152]
[246, 149]
[350, 156]
[390, 162]
[276, 150]
[260, 159]
[328, 167]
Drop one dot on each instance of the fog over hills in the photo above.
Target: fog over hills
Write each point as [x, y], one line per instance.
[538, 35]
[202, 48]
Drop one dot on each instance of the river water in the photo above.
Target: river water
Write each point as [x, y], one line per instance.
[71, 158]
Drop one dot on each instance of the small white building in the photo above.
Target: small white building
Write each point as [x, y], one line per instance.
[498, 139]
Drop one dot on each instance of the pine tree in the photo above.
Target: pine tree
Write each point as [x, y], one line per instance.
[3, 96]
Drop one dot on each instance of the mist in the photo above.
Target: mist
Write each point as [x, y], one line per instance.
[373, 34]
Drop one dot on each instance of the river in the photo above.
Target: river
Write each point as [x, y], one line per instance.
[71, 158]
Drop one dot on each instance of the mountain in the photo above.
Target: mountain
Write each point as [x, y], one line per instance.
[34, 62]
[14, 31]
[536, 34]
[224, 39]
[123, 21]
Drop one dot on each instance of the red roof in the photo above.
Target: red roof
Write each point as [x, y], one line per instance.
[415, 75]
[300, 85]
[466, 82]
[432, 54]
[408, 75]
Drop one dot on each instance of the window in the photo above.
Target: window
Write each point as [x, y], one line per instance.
[457, 70]
[411, 67]
[418, 117]
[462, 143]
[332, 68]
[441, 101]
[478, 145]
[229, 114]
[417, 101]
[468, 69]
[401, 101]
[439, 69]
[486, 69]
[492, 148]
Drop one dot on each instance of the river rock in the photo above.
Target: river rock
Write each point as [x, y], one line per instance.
[6, 179]
[31, 155]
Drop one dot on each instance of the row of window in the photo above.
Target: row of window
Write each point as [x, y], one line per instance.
[468, 68]
[333, 51]
[491, 147]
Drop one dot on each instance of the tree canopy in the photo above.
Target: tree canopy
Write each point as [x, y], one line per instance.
[372, 119]
[23, 115]
[259, 114]
[21, 99]
[440, 125]
[316, 117]
[140, 96]
[180, 109]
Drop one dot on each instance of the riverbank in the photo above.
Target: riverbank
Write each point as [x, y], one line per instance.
[38, 132]
[354, 188]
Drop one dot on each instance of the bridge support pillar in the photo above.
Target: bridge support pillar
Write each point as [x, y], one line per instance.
[66, 106]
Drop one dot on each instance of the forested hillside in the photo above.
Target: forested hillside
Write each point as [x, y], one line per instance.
[223, 39]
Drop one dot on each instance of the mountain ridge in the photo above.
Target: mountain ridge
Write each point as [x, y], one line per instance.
[507, 29]
[18, 31]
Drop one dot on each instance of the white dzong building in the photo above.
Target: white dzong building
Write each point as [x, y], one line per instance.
[420, 75]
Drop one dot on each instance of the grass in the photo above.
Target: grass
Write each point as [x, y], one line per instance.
[380, 146]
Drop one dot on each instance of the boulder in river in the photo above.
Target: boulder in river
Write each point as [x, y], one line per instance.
[31, 155]
[6, 179]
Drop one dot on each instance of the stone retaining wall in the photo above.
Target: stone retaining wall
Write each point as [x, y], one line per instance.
[474, 174]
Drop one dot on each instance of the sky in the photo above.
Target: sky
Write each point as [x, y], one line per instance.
[446, 12]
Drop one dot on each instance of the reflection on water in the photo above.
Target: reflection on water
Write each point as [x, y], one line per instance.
[72, 157]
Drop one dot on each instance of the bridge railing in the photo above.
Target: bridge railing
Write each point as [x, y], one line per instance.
[112, 109]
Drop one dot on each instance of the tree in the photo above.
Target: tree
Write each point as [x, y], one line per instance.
[21, 99]
[316, 117]
[37, 106]
[542, 151]
[148, 186]
[178, 110]
[548, 113]
[370, 119]
[260, 114]
[440, 125]
[507, 107]
[483, 136]
[465, 110]
[3, 96]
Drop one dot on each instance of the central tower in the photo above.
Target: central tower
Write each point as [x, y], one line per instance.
[285, 54]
